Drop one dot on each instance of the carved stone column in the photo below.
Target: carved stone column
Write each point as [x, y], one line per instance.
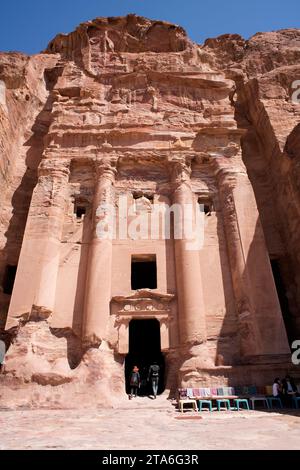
[164, 333]
[123, 334]
[260, 323]
[191, 316]
[99, 269]
[35, 284]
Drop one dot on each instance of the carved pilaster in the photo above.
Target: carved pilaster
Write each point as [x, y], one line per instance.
[192, 328]
[248, 332]
[98, 281]
[105, 172]
[35, 284]
[250, 266]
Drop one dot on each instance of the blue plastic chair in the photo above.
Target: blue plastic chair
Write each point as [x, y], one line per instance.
[225, 401]
[241, 401]
[205, 402]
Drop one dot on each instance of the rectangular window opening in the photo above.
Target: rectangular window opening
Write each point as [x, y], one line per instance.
[80, 211]
[206, 205]
[9, 279]
[139, 194]
[143, 272]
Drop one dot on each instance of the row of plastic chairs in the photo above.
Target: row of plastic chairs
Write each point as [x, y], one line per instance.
[239, 403]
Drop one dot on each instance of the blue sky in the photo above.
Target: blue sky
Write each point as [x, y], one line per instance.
[28, 25]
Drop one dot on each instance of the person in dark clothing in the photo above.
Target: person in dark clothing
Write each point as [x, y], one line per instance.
[289, 386]
[135, 382]
[289, 390]
[153, 375]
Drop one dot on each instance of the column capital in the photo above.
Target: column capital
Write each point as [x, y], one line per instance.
[106, 166]
[123, 320]
[165, 320]
[180, 169]
[56, 168]
[226, 173]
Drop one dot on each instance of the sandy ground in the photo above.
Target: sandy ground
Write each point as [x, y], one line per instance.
[147, 424]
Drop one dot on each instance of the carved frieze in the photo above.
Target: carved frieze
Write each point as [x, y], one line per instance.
[142, 303]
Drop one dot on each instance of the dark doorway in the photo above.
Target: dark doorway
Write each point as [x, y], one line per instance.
[143, 272]
[286, 314]
[144, 348]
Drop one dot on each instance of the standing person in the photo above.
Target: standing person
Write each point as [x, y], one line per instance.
[153, 375]
[135, 382]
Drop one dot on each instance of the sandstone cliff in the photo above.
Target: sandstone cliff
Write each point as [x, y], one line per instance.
[131, 82]
[265, 69]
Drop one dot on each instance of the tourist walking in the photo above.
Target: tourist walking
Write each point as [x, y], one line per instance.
[153, 376]
[135, 382]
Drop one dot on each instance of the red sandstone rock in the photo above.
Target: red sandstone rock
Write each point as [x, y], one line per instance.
[131, 106]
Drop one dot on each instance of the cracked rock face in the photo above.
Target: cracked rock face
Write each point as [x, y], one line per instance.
[140, 94]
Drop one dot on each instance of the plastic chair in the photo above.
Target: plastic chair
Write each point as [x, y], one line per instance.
[187, 401]
[205, 402]
[263, 399]
[241, 401]
[272, 400]
[296, 400]
[225, 401]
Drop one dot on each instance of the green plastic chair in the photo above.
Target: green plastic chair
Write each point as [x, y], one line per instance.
[225, 401]
[241, 401]
[205, 402]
